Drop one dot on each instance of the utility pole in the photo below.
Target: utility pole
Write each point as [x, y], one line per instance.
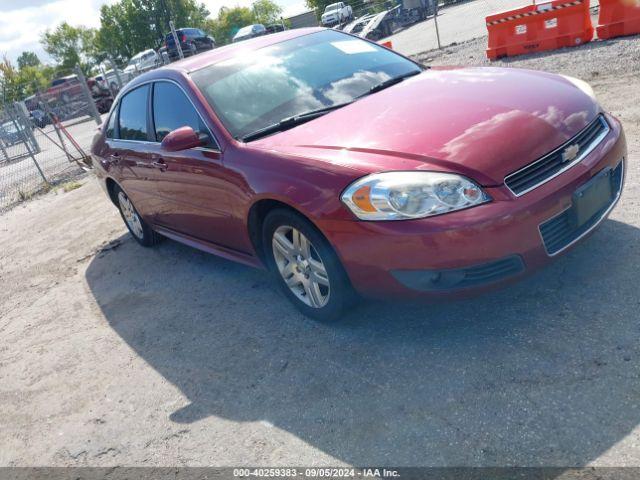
[115, 70]
[435, 19]
[175, 39]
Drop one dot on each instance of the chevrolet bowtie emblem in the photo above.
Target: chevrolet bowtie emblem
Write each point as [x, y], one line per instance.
[570, 153]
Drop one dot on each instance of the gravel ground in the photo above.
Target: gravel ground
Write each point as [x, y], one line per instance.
[117, 355]
[459, 22]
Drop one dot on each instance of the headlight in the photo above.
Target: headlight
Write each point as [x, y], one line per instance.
[581, 84]
[404, 195]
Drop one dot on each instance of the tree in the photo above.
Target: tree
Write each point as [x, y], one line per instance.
[70, 46]
[130, 26]
[229, 21]
[28, 59]
[266, 12]
[16, 84]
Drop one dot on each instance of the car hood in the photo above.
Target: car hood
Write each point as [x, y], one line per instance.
[481, 122]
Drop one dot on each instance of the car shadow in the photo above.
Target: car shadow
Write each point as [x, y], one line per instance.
[541, 373]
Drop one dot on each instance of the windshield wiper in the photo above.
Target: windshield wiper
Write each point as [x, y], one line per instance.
[295, 120]
[390, 82]
[290, 122]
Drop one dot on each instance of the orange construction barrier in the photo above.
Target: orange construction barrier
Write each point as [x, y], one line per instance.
[618, 18]
[539, 27]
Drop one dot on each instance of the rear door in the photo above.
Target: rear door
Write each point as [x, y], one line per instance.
[129, 150]
[194, 183]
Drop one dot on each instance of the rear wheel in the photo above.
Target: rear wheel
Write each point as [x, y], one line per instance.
[305, 266]
[139, 229]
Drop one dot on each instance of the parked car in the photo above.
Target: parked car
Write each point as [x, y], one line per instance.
[372, 174]
[413, 11]
[38, 118]
[274, 28]
[250, 31]
[164, 56]
[102, 97]
[10, 134]
[192, 41]
[37, 115]
[110, 79]
[66, 89]
[143, 61]
[356, 26]
[381, 25]
[336, 13]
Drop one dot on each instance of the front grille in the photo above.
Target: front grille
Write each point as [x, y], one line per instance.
[491, 272]
[554, 163]
[560, 232]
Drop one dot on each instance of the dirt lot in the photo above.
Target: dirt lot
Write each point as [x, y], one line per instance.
[112, 354]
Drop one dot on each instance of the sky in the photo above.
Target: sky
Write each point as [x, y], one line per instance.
[22, 21]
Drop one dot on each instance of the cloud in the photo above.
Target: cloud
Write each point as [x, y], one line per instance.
[23, 21]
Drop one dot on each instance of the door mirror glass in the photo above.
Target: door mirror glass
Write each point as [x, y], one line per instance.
[182, 138]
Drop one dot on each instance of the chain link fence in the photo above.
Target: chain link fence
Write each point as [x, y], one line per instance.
[44, 140]
[453, 22]
[415, 26]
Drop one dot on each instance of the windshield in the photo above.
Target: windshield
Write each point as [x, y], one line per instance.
[333, 6]
[244, 31]
[260, 88]
[134, 61]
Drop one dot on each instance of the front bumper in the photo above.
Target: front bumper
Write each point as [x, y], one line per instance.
[429, 257]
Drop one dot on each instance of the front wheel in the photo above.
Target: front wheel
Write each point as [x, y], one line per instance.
[305, 266]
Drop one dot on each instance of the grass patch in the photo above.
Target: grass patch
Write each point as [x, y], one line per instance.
[28, 195]
[69, 186]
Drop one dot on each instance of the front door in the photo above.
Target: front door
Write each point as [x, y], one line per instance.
[193, 183]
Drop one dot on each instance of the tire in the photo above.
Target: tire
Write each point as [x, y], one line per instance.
[138, 228]
[318, 285]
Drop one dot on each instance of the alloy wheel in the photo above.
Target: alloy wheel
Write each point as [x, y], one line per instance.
[130, 215]
[301, 266]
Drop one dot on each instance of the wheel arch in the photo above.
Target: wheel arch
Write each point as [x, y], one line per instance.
[111, 190]
[259, 211]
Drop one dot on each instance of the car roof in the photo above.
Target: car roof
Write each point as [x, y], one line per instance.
[210, 57]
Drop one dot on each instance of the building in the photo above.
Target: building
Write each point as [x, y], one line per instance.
[302, 20]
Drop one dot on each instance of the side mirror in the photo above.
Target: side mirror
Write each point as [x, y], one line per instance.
[182, 138]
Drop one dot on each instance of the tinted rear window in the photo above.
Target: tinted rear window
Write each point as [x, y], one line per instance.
[133, 114]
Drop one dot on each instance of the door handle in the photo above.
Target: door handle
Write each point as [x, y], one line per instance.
[114, 158]
[160, 164]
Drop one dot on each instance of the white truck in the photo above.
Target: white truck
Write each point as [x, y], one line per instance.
[336, 13]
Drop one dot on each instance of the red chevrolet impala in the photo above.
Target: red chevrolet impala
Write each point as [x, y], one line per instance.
[346, 168]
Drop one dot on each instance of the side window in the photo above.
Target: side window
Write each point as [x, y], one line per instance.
[172, 109]
[111, 126]
[133, 114]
